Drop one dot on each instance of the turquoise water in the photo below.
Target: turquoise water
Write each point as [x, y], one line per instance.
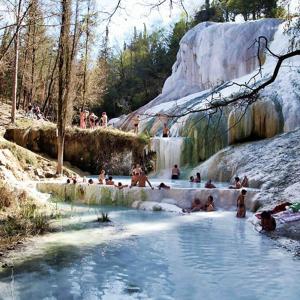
[146, 255]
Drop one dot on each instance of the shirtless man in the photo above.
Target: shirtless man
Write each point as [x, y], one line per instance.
[101, 177]
[104, 120]
[136, 122]
[241, 207]
[237, 185]
[110, 181]
[175, 172]
[143, 179]
[166, 131]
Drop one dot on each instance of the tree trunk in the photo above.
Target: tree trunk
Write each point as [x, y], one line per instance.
[60, 153]
[16, 66]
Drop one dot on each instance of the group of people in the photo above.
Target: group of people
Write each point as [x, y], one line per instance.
[34, 111]
[136, 122]
[238, 184]
[208, 206]
[89, 119]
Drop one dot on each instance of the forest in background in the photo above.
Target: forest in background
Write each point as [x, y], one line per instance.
[118, 81]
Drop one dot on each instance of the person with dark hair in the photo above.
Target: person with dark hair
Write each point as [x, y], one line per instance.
[268, 222]
[163, 186]
[241, 207]
[110, 181]
[120, 186]
[198, 178]
[209, 185]
[245, 182]
[175, 172]
[192, 179]
[209, 205]
[237, 184]
[90, 181]
[68, 180]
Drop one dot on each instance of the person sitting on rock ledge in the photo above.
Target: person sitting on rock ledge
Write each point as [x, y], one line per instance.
[163, 186]
[192, 179]
[209, 185]
[237, 185]
[196, 206]
[198, 178]
[209, 205]
[143, 179]
[110, 181]
[120, 186]
[268, 222]
[245, 182]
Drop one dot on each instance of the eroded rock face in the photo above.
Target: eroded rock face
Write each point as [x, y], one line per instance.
[88, 150]
[271, 165]
[261, 120]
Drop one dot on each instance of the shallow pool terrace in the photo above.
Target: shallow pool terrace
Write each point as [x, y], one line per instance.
[155, 181]
[152, 255]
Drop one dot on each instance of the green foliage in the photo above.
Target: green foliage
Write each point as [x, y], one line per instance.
[136, 73]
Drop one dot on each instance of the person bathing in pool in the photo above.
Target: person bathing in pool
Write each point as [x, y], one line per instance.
[120, 186]
[163, 186]
[209, 205]
[196, 206]
[241, 207]
[175, 172]
[110, 181]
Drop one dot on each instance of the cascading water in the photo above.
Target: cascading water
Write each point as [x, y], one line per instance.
[168, 152]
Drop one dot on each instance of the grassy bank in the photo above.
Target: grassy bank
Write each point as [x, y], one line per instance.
[20, 217]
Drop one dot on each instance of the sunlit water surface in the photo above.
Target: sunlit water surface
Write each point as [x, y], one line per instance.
[153, 255]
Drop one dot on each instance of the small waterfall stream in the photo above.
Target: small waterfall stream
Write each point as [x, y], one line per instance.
[168, 151]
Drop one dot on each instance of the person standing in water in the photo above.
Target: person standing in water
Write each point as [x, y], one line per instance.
[166, 131]
[101, 177]
[136, 122]
[241, 207]
[175, 172]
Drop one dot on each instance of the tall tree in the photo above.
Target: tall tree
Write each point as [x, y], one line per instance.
[64, 79]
